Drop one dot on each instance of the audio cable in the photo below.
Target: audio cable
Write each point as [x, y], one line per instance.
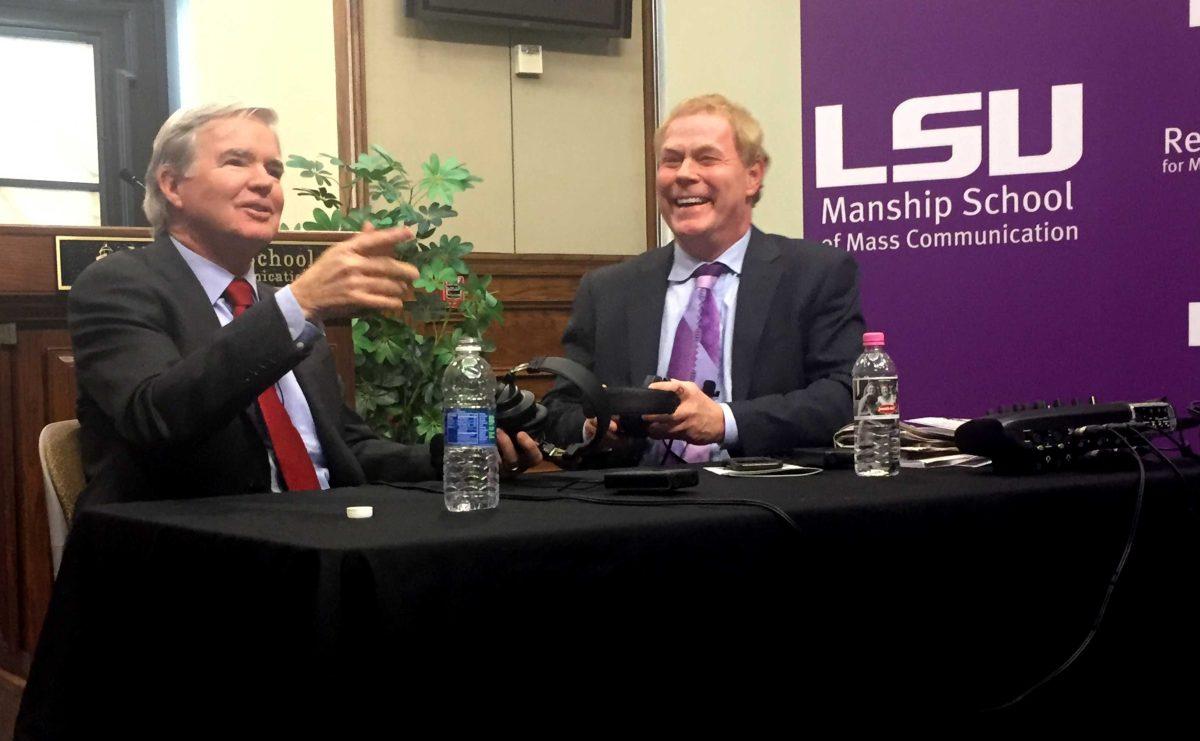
[1117, 429]
[565, 491]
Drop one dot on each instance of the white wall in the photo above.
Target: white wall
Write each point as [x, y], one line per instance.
[749, 51]
[274, 53]
[561, 155]
[280, 53]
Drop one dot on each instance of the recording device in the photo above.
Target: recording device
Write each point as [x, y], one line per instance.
[1047, 438]
[651, 480]
[827, 458]
[517, 410]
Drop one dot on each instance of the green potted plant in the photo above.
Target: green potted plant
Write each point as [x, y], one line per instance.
[399, 360]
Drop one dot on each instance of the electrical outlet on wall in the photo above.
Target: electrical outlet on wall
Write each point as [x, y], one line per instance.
[527, 60]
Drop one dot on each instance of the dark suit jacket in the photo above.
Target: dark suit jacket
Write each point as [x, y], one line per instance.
[167, 395]
[797, 332]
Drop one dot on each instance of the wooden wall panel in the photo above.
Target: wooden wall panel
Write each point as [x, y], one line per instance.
[340, 341]
[28, 268]
[10, 605]
[37, 386]
[33, 539]
[58, 365]
[537, 291]
[526, 334]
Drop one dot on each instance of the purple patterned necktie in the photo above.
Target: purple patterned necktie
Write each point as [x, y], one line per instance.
[696, 354]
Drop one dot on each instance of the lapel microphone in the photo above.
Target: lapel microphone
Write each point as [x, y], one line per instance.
[132, 179]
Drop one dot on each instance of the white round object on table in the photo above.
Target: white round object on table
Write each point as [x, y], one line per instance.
[359, 513]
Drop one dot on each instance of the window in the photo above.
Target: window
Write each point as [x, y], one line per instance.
[53, 175]
[84, 95]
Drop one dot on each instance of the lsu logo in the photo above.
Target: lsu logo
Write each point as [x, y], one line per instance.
[965, 142]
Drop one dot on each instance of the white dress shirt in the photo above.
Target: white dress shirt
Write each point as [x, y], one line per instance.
[215, 279]
[680, 286]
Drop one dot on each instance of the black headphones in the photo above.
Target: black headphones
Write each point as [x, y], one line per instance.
[517, 410]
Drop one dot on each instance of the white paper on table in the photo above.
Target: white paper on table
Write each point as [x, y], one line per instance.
[946, 461]
[786, 470]
[941, 423]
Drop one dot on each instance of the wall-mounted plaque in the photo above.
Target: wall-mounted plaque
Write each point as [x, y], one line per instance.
[277, 265]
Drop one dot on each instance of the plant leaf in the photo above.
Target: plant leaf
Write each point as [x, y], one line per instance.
[444, 179]
[399, 361]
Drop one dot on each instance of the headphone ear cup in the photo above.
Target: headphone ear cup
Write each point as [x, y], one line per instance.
[537, 424]
[594, 400]
[517, 410]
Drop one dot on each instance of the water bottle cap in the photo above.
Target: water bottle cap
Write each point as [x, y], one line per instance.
[873, 339]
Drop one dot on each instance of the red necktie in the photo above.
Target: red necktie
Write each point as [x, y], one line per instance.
[294, 464]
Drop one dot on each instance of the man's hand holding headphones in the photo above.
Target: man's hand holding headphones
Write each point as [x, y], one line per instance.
[613, 438]
[698, 419]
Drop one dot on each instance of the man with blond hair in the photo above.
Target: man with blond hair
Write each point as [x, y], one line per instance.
[194, 379]
[757, 332]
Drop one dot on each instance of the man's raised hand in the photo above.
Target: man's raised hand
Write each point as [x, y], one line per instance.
[359, 273]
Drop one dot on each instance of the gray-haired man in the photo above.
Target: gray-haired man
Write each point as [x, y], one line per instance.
[194, 380]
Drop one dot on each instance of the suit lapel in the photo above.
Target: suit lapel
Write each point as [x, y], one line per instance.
[198, 323]
[186, 290]
[756, 289]
[646, 304]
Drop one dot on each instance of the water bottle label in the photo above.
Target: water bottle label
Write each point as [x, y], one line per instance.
[470, 427]
[876, 398]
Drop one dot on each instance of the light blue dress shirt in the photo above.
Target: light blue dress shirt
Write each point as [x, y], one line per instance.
[215, 279]
[725, 290]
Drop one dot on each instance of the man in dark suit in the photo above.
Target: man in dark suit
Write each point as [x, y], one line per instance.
[773, 323]
[194, 380]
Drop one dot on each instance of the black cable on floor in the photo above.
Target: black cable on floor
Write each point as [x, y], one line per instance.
[1112, 582]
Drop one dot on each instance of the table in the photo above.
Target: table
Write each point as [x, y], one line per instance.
[936, 590]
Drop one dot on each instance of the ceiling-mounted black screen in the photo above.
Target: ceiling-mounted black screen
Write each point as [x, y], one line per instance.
[596, 17]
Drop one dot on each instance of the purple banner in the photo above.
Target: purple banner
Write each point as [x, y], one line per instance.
[1020, 183]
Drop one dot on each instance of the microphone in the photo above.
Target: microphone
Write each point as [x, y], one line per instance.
[132, 179]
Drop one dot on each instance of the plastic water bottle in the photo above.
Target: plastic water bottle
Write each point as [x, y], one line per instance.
[876, 410]
[471, 463]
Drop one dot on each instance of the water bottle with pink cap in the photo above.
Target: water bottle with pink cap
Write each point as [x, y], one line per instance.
[876, 410]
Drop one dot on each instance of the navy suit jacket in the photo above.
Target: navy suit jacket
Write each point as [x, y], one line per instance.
[797, 332]
[167, 396]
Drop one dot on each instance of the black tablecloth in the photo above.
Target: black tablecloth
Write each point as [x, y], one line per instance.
[943, 589]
